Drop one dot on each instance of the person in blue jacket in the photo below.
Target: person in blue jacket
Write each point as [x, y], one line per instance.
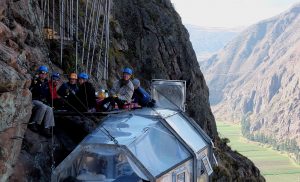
[141, 96]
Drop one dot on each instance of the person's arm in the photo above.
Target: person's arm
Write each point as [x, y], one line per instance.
[62, 90]
[114, 90]
[93, 97]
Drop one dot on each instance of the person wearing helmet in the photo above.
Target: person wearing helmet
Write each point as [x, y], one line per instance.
[121, 92]
[67, 91]
[86, 94]
[42, 112]
[55, 100]
[39, 85]
[141, 96]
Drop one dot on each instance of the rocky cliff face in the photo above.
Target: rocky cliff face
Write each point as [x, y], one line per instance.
[17, 55]
[146, 35]
[160, 48]
[258, 75]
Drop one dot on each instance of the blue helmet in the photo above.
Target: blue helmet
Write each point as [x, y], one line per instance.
[83, 76]
[128, 71]
[55, 76]
[43, 68]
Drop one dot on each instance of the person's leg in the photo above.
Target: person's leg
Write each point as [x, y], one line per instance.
[49, 118]
[39, 109]
[119, 102]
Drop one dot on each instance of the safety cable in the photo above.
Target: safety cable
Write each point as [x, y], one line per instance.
[94, 45]
[89, 33]
[93, 34]
[106, 40]
[101, 48]
[84, 31]
[90, 21]
[41, 35]
[77, 40]
[76, 44]
[86, 34]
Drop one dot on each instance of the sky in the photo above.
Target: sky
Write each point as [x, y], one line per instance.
[229, 13]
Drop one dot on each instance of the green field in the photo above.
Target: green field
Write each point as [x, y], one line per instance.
[273, 165]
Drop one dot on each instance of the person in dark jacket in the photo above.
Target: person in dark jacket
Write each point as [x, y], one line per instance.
[42, 112]
[141, 96]
[68, 91]
[86, 94]
[40, 86]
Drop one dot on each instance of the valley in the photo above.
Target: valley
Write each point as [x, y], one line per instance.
[274, 165]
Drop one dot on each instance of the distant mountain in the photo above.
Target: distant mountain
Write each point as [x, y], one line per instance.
[257, 77]
[207, 41]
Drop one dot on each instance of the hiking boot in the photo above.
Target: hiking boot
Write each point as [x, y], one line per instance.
[33, 127]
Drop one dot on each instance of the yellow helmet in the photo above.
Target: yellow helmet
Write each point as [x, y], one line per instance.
[101, 95]
[73, 76]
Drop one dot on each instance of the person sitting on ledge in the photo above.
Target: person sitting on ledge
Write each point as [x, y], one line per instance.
[42, 112]
[86, 94]
[141, 96]
[68, 92]
[55, 100]
[121, 92]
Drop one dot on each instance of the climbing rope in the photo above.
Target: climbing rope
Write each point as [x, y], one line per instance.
[53, 18]
[106, 40]
[92, 43]
[84, 35]
[89, 32]
[100, 46]
[76, 46]
[94, 34]
[48, 10]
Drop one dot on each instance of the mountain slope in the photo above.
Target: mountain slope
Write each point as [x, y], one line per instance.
[207, 41]
[257, 76]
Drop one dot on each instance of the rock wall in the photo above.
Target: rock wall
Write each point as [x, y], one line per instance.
[159, 47]
[16, 57]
